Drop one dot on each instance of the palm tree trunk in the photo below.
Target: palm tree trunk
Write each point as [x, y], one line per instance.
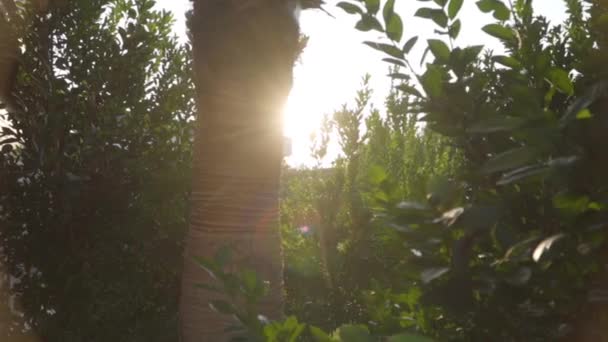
[244, 53]
[8, 50]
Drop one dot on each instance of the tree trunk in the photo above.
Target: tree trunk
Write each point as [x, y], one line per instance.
[8, 50]
[244, 53]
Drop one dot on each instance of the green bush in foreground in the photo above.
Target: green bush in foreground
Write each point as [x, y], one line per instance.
[95, 169]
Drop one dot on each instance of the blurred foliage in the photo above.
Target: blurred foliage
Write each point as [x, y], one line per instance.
[473, 208]
[94, 174]
[336, 250]
[513, 248]
[485, 221]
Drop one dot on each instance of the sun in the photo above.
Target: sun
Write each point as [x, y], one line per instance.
[302, 116]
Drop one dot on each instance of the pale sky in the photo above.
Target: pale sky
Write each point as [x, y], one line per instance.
[330, 70]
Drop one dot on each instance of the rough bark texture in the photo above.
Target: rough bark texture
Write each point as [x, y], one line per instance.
[8, 50]
[244, 53]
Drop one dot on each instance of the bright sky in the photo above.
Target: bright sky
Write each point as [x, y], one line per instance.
[335, 60]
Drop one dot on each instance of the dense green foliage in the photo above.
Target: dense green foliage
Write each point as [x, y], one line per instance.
[95, 173]
[473, 208]
[513, 247]
[510, 245]
[333, 248]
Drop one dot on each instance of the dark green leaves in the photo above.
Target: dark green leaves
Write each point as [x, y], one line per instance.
[496, 124]
[592, 94]
[510, 159]
[368, 23]
[355, 333]
[439, 49]
[454, 29]
[391, 50]
[372, 6]
[394, 61]
[407, 337]
[454, 7]
[408, 89]
[437, 15]
[507, 61]
[432, 80]
[407, 47]
[499, 9]
[560, 79]
[350, 8]
[501, 32]
[394, 24]
[319, 335]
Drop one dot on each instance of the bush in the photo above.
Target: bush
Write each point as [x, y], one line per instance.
[510, 243]
[513, 248]
[95, 170]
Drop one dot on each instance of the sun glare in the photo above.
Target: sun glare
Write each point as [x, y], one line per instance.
[302, 117]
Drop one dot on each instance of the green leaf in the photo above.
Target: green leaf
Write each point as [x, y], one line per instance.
[571, 205]
[388, 10]
[500, 32]
[560, 79]
[470, 53]
[592, 94]
[437, 15]
[407, 337]
[132, 13]
[350, 8]
[584, 114]
[425, 12]
[391, 50]
[394, 61]
[355, 333]
[499, 9]
[510, 159]
[376, 174]
[454, 8]
[441, 2]
[496, 124]
[439, 49]
[368, 23]
[372, 6]
[408, 89]
[432, 81]
[455, 29]
[319, 335]
[507, 61]
[502, 12]
[250, 280]
[394, 28]
[523, 173]
[399, 75]
[486, 6]
[407, 47]
[394, 24]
